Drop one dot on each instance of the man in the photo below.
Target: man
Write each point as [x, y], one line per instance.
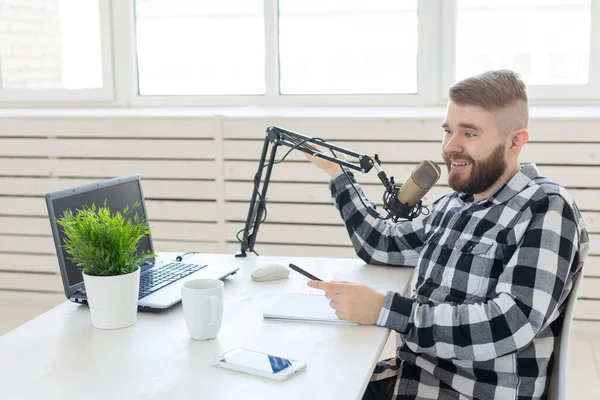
[495, 259]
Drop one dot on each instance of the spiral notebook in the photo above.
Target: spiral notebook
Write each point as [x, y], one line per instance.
[310, 307]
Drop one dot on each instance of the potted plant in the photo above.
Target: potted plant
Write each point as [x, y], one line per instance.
[105, 247]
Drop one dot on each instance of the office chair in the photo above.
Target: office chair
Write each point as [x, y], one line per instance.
[558, 381]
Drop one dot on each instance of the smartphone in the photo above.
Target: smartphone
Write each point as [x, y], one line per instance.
[261, 364]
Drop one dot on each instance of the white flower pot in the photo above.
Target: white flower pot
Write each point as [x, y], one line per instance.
[113, 299]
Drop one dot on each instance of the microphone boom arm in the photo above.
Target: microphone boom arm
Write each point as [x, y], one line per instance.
[277, 136]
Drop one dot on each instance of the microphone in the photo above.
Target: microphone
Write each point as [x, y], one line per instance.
[404, 201]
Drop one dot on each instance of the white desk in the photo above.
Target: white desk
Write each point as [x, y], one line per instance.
[59, 355]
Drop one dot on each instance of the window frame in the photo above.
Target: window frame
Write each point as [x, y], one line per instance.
[435, 69]
[105, 94]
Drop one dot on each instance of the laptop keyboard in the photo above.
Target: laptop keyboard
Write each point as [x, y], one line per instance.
[158, 278]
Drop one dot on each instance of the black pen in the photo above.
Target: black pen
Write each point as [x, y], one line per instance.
[303, 272]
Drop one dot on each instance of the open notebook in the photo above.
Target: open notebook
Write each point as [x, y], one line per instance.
[304, 307]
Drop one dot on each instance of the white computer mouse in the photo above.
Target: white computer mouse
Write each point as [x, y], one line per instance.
[271, 272]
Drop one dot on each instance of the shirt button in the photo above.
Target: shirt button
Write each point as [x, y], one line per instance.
[445, 247]
[428, 280]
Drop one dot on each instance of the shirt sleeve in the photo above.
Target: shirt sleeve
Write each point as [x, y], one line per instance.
[535, 281]
[375, 240]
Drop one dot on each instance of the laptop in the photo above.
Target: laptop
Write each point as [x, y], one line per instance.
[160, 281]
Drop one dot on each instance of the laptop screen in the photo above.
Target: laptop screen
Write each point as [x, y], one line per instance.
[117, 197]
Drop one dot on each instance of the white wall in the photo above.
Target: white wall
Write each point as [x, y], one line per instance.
[197, 174]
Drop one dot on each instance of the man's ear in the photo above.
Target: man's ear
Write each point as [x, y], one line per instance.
[518, 139]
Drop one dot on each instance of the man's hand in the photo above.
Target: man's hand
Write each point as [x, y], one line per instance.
[352, 302]
[330, 167]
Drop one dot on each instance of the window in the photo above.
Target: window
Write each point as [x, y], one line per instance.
[200, 47]
[348, 47]
[51, 49]
[547, 42]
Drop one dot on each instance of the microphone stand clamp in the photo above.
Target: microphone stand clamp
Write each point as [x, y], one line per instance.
[395, 208]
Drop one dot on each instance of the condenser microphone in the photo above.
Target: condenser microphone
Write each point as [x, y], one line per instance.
[405, 201]
[418, 183]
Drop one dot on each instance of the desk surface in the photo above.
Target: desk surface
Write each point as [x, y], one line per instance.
[59, 354]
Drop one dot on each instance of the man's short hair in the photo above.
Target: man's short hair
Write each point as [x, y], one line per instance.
[494, 91]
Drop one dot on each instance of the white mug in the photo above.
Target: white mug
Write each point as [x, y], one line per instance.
[202, 301]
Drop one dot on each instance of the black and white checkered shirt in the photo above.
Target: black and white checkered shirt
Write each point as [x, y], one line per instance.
[493, 276]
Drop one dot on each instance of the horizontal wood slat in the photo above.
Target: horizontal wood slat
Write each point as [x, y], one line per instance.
[592, 267]
[156, 209]
[45, 245]
[587, 199]
[409, 152]
[25, 226]
[27, 244]
[189, 231]
[297, 250]
[587, 310]
[23, 206]
[310, 234]
[39, 226]
[29, 262]
[31, 282]
[153, 189]
[590, 288]
[107, 148]
[312, 192]
[592, 221]
[287, 213]
[337, 129]
[328, 214]
[294, 234]
[303, 171]
[184, 247]
[283, 192]
[389, 128]
[110, 126]
[181, 210]
[103, 169]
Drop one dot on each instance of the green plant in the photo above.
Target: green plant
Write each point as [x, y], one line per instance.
[104, 244]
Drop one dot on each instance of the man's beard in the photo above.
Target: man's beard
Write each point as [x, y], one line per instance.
[483, 173]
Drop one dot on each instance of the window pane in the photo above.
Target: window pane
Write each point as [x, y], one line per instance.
[546, 41]
[200, 47]
[50, 44]
[345, 47]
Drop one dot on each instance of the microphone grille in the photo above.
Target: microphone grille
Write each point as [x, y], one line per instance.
[426, 174]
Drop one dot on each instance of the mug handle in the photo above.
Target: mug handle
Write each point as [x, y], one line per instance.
[215, 304]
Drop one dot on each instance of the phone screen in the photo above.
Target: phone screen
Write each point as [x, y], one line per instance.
[259, 361]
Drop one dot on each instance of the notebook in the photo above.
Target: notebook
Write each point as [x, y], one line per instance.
[311, 307]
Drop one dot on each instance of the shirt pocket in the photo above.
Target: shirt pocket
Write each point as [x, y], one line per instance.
[428, 255]
[468, 271]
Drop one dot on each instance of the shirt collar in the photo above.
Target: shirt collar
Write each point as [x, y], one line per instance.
[509, 189]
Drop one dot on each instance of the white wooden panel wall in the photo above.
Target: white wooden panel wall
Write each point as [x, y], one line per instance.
[197, 176]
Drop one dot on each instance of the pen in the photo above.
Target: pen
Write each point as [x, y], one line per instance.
[303, 272]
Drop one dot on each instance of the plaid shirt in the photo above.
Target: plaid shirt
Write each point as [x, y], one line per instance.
[493, 277]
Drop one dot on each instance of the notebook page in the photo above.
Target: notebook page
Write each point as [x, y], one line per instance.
[304, 307]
